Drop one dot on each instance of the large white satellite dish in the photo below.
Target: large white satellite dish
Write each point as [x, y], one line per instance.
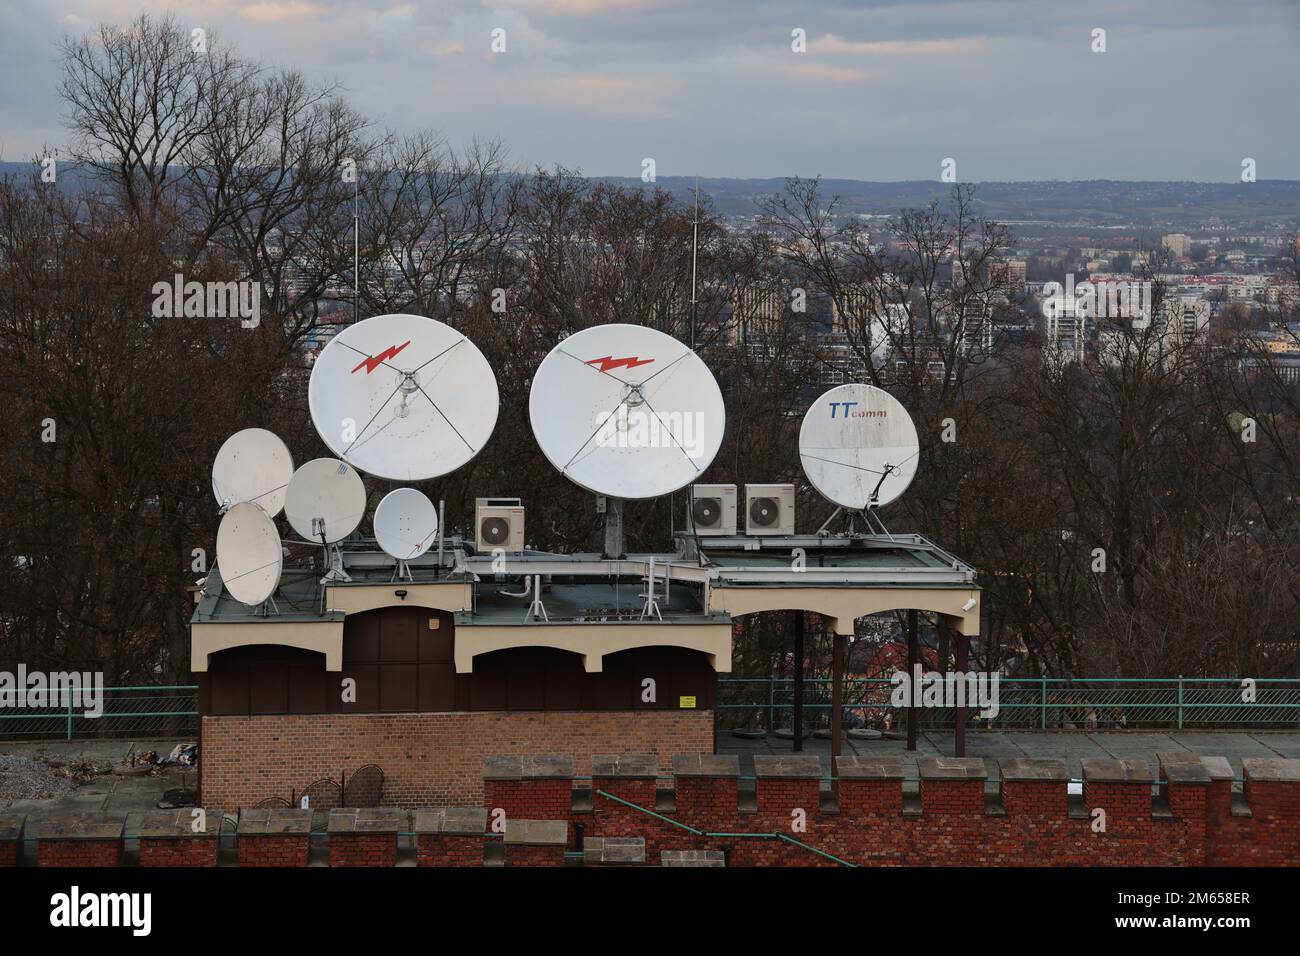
[403, 397]
[248, 553]
[626, 411]
[406, 524]
[325, 501]
[252, 465]
[858, 446]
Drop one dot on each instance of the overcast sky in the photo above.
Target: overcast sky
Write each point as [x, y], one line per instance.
[885, 91]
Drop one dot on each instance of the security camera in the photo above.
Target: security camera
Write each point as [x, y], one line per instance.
[968, 605]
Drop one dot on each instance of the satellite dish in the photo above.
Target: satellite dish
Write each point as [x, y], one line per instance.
[403, 397]
[252, 465]
[248, 553]
[626, 411]
[325, 501]
[406, 524]
[858, 446]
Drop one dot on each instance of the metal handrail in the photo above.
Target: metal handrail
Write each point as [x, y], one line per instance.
[1109, 701]
[726, 836]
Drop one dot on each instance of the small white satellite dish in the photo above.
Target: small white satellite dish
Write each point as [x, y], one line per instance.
[858, 446]
[406, 524]
[249, 553]
[325, 501]
[626, 411]
[252, 465]
[403, 397]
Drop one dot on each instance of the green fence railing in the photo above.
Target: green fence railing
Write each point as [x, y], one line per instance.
[160, 711]
[1042, 703]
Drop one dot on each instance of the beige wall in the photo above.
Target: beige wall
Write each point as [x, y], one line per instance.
[326, 637]
[354, 598]
[845, 605]
[594, 641]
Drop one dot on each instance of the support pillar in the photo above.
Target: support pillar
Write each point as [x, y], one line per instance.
[913, 658]
[798, 680]
[837, 698]
[959, 731]
[614, 528]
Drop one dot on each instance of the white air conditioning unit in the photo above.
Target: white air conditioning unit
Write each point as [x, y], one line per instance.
[498, 523]
[769, 509]
[711, 510]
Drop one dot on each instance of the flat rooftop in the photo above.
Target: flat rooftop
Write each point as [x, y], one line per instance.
[586, 602]
[589, 588]
[904, 560]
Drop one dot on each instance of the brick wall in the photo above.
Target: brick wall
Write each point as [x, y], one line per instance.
[363, 849]
[178, 851]
[73, 852]
[438, 849]
[1033, 827]
[534, 856]
[270, 850]
[546, 799]
[426, 758]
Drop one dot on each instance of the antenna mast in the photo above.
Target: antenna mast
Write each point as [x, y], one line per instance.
[695, 246]
[356, 246]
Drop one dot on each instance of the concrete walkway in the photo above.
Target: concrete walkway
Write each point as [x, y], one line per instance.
[1070, 746]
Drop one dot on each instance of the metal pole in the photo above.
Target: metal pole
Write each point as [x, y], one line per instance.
[798, 680]
[959, 734]
[771, 702]
[356, 246]
[614, 528]
[695, 245]
[837, 699]
[442, 529]
[1042, 684]
[913, 658]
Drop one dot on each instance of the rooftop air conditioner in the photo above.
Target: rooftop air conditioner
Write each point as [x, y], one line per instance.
[769, 509]
[711, 510]
[498, 523]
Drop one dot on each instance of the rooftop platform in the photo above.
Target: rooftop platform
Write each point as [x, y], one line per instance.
[889, 561]
[594, 605]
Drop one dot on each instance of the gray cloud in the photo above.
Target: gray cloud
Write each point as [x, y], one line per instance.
[886, 90]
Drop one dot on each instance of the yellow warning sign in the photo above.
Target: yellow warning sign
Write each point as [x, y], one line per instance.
[686, 702]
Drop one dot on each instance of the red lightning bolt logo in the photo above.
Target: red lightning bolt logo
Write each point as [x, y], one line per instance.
[374, 361]
[609, 362]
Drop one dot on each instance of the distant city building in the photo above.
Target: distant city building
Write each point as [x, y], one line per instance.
[1008, 270]
[756, 313]
[1177, 243]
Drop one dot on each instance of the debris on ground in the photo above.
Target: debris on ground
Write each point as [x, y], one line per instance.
[80, 771]
[182, 755]
[179, 797]
[26, 778]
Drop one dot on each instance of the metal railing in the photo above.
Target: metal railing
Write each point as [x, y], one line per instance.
[161, 711]
[1041, 703]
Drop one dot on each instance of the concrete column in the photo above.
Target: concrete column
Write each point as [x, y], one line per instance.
[959, 730]
[913, 658]
[799, 619]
